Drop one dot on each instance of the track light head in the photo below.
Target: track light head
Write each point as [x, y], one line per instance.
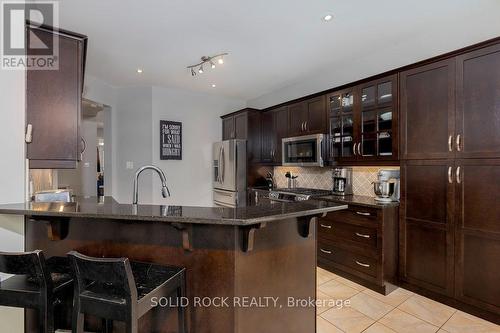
[212, 64]
[200, 70]
[220, 61]
[193, 73]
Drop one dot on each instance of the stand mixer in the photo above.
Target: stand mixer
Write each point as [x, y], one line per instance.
[386, 188]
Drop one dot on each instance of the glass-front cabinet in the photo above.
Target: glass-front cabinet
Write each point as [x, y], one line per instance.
[342, 130]
[363, 122]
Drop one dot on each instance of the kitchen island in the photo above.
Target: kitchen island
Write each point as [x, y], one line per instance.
[249, 269]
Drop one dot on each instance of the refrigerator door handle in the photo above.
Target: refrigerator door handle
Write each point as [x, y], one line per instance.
[223, 162]
[219, 165]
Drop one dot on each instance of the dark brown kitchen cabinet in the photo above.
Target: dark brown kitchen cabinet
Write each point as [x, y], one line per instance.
[360, 243]
[274, 128]
[428, 111]
[244, 125]
[268, 137]
[378, 120]
[477, 213]
[426, 224]
[53, 103]
[478, 104]
[228, 131]
[343, 131]
[364, 124]
[307, 117]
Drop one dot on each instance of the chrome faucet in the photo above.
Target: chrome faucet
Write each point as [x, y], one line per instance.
[165, 192]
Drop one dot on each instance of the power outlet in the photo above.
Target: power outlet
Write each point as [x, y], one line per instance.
[129, 165]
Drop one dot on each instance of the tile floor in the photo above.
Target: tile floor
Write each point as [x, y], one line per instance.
[401, 311]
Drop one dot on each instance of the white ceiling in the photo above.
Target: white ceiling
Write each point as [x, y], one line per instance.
[272, 43]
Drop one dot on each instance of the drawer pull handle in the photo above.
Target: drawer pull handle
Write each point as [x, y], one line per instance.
[325, 226]
[325, 251]
[362, 264]
[362, 235]
[363, 213]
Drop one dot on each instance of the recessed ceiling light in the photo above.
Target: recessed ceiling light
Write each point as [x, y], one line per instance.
[213, 85]
[327, 17]
[139, 70]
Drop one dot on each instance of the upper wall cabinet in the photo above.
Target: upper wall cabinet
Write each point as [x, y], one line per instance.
[53, 103]
[307, 117]
[244, 125]
[364, 122]
[274, 128]
[427, 111]
[477, 132]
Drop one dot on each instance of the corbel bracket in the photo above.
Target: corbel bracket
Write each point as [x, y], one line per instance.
[57, 227]
[304, 224]
[187, 235]
[248, 236]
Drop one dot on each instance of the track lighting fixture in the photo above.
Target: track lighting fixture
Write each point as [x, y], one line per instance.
[207, 60]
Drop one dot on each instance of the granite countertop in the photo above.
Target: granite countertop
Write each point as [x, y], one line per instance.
[360, 200]
[108, 208]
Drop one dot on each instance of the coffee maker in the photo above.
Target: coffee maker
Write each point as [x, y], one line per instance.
[386, 188]
[342, 181]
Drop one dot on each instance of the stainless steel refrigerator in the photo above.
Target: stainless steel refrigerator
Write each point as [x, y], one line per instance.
[230, 173]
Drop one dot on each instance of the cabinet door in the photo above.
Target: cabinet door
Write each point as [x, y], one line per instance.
[426, 225]
[316, 115]
[228, 128]
[281, 131]
[241, 126]
[477, 273]
[478, 103]
[53, 106]
[343, 129]
[297, 117]
[379, 120]
[268, 137]
[427, 110]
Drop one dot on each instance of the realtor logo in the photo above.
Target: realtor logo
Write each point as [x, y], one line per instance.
[37, 49]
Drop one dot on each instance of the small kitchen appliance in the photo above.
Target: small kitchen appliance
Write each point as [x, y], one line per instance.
[342, 181]
[307, 150]
[386, 188]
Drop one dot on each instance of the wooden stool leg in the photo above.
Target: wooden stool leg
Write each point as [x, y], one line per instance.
[181, 311]
[78, 319]
[132, 325]
[107, 326]
[43, 320]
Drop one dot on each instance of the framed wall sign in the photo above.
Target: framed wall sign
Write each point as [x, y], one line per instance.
[170, 140]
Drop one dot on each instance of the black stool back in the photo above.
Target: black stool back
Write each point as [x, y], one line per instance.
[31, 287]
[106, 288]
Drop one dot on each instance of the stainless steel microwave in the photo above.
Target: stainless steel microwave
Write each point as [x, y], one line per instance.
[307, 150]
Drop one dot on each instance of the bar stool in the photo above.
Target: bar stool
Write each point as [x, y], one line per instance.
[118, 289]
[37, 284]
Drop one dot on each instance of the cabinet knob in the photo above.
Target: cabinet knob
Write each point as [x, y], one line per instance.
[325, 251]
[458, 142]
[29, 134]
[362, 264]
[450, 174]
[325, 226]
[362, 235]
[450, 143]
[459, 178]
[363, 213]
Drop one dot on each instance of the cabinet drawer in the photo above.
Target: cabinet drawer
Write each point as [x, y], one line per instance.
[358, 235]
[354, 214]
[348, 260]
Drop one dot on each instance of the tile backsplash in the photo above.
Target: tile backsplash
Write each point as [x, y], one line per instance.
[321, 178]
